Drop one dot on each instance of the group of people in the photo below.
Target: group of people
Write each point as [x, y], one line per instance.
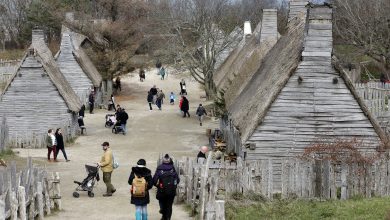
[55, 143]
[155, 96]
[165, 179]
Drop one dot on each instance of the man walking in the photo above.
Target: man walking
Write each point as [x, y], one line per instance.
[51, 145]
[123, 117]
[149, 99]
[107, 168]
[91, 100]
[200, 112]
[141, 182]
[160, 99]
[154, 92]
[166, 181]
[185, 106]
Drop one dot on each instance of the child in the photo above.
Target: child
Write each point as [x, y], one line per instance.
[172, 98]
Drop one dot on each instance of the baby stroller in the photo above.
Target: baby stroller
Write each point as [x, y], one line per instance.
[89, 182]
[117, 128]
[183, 90]
[110, 120]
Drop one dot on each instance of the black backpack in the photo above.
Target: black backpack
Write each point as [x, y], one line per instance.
[167, 183]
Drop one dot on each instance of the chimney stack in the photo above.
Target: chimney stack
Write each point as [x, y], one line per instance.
[297, 7]
[37, 35]
[247, 28]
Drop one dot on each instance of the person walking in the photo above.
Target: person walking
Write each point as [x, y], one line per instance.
[60, 144]
[160, 99]
[183, 88]
[107, 168]
[162, 73]
[118, 85]
[149, 99]
[200, 112]
[123, 117]
[172, 98]
[91, 100]
[111, 103]
[154, 92]
[141, 182]
[51, 144]
[166, 181]
[82, 111]
[185, 106]
[141, 75]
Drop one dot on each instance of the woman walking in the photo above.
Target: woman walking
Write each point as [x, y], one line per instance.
[141, 182]
[60, 144]
[185, 106]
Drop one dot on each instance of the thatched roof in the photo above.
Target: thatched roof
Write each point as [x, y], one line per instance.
[82, 58]
[279, 64]
[43, 53]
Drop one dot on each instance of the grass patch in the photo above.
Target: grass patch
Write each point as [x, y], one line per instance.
[12, 54]
[6, 153]
[357, 208]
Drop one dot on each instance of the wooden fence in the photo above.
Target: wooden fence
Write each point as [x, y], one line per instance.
[29, 194]
[375, 95]
[202, 184]
[3, 133]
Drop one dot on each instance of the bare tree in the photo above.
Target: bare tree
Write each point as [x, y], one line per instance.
[366, 25]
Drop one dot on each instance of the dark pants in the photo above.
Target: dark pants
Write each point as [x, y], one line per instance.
[150, 106]
[91, 108]
[186, 113]
[107, 181]
[166, 207]
[159, 103]
[49, 150]
[63, 152]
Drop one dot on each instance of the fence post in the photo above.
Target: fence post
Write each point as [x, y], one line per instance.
[204, 178]
[14, 205]
[40, 201]
[220, 210]
[2, 207]
[343, 181]
[22, 203]
[57, 191]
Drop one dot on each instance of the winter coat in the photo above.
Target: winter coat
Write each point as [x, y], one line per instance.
[165, 167]
[185, 106]
[150, 98]
[153, 91]
[91, 99]
[106, 161]
[122, 117]
[141, 172]
[201, 111]
[82, 110]
[160, 96]
[60, 141]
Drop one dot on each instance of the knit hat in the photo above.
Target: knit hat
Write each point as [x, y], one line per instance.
[166, 159]
[141, 162]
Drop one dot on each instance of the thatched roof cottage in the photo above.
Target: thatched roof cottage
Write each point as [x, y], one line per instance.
[76, 66]
[235, 73]
[298, 97]
[38, 97]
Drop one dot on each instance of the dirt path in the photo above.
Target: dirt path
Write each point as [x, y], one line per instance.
[149, 134]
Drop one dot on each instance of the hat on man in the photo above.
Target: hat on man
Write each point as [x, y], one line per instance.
[166, 159]
[141, 163]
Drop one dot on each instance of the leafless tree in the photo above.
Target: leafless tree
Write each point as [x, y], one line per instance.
[366, 25]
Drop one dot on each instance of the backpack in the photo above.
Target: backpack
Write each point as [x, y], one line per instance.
[167, 183]
[115, 162]
[138, 186]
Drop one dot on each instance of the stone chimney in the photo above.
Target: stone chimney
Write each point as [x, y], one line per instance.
[69, 16]
[37, 35]
[269, 25]
[318, 44]
[247, 28]
[297, 7]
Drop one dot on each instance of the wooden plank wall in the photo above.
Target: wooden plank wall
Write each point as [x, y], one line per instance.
[3, 133]
[32, 105]
[300, 179]
[315, 105]
[71, 69]
[27, 194]
[297, 7]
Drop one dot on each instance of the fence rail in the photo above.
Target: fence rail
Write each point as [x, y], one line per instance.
[29, 194]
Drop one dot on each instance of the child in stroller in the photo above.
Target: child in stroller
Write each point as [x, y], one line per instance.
[110, 120]
[89, 182]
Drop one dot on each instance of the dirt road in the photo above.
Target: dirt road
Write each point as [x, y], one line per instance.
[149, 134]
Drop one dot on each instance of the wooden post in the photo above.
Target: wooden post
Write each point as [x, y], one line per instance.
[46, 196]
[204, 178]
[14, 205]
[40, 201]
[220, 210]
[57, 191]
[22, 203]
[343, 181]
[2, 207]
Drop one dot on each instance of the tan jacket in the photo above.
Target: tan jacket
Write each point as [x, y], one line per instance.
[106, 161]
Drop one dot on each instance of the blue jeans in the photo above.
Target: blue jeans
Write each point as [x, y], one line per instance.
[123, 126]
[141, 212]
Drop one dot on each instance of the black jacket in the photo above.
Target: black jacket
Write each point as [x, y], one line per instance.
[141, 172]
[60, 141]
[164, 167]
[185, 106]
[150, 97]
[153, 91]
[81, 112]
[123, 116]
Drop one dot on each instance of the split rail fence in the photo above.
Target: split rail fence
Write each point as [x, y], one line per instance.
[29, 194]
[205, 186]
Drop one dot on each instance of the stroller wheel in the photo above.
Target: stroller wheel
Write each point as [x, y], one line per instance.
[76, 194]
[91, 194]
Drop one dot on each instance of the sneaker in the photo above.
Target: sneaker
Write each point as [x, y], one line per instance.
[67, 160]
[107, 195]
[201, 124]
[114, 190]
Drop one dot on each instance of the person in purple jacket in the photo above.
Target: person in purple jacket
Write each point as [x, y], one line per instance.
[166, 180]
